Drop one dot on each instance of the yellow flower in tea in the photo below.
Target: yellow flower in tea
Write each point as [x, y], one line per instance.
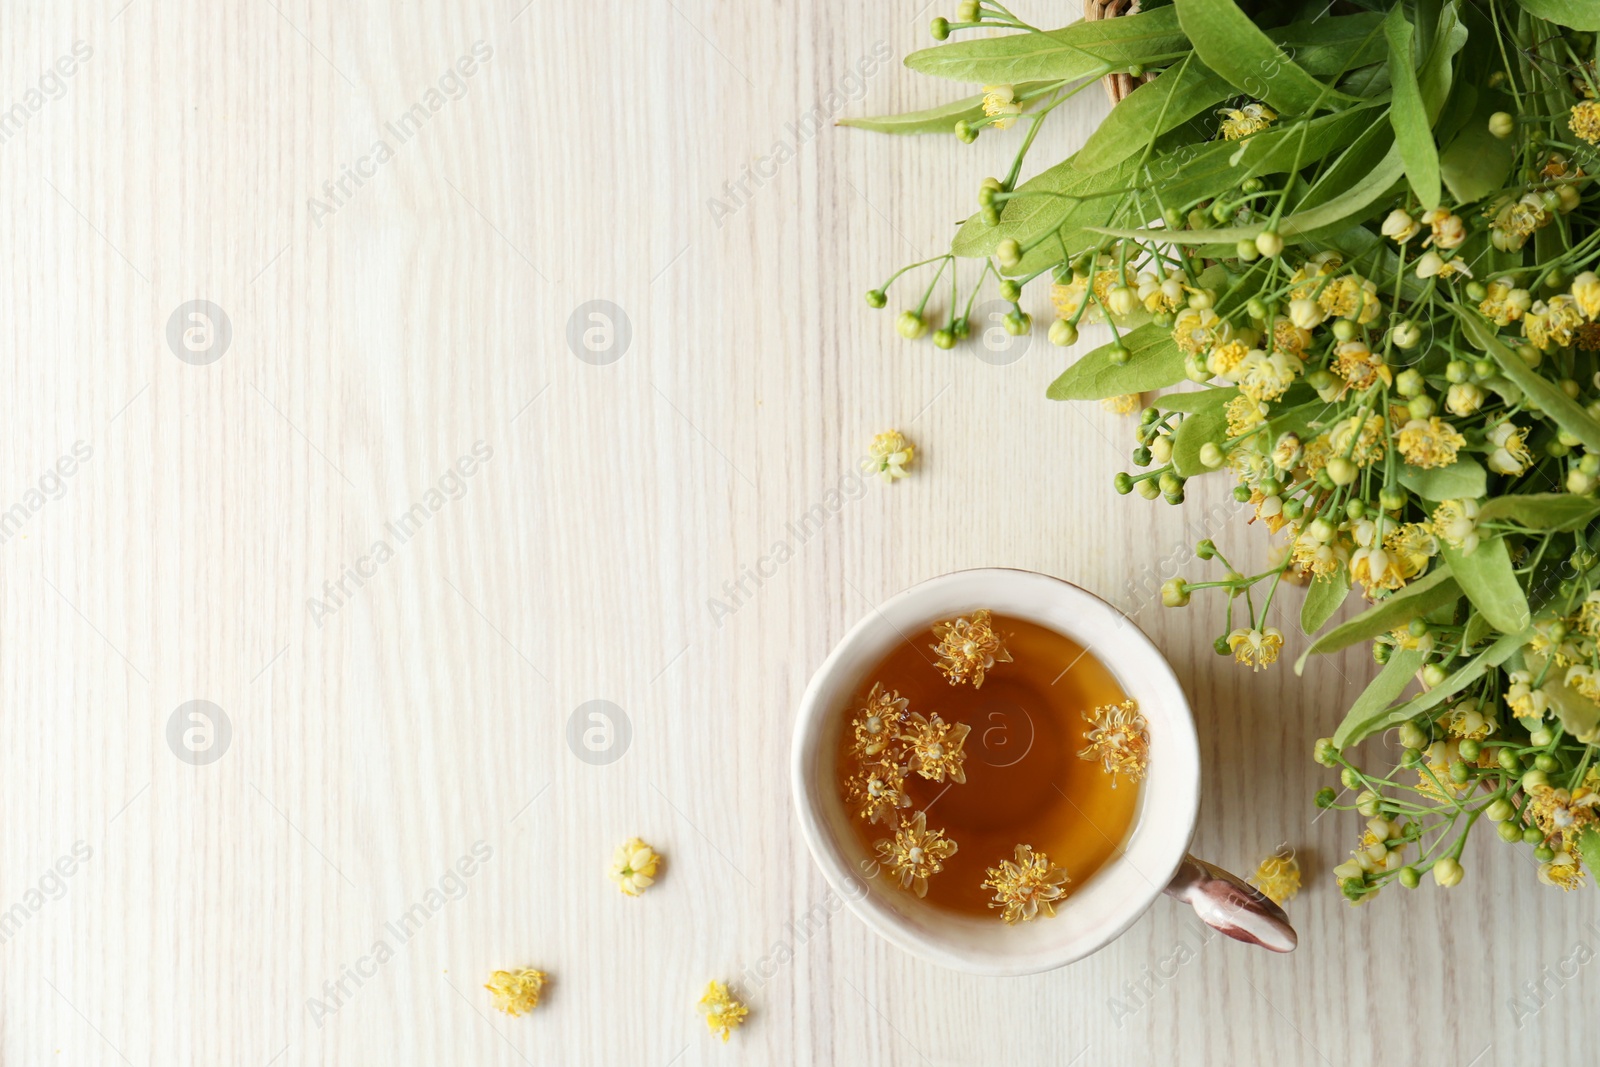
[877, 723]
[1562, 871]
[1240, 122]
[878, 790]
[516, 992]
[1026, 886]
[889, 456]
[1510, 453]
[633, 867]
[1278, 877]
[1361, 367]
[1561, 815]
[1524, 700]
[1455, 522]
[1256, 648]
[933, 747]
[723, 1011]
[1585, 120]
[914, 854]
[1126, 404]
[1119, 740]
[1000, 104]
[968, 648]
[1429, 442]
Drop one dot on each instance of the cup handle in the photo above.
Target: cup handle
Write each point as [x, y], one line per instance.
[1231, 905]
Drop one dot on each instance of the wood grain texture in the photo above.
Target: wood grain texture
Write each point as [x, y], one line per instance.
[375, 743]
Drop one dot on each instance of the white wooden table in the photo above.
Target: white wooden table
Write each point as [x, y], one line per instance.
[380, 720]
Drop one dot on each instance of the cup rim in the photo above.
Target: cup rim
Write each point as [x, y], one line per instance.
[1172, 787]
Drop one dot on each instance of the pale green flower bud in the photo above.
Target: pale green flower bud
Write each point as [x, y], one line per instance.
[1211, 455]
[910, 325]
[1501, 125]
[1269, 244]
[1407, 335]
[1063, 333]
[1175, 593]
[1161, 449]
[1342, 471]
[1412, 735]
[1367, 803]
[1447, 872]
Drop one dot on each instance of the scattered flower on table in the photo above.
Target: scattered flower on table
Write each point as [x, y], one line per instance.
[889, 456]
[516, 992]
[723, 1011]
[1278, 876]
[633, 867]
[1255, 648]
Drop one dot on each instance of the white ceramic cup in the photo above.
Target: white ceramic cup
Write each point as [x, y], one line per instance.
[1154, 856]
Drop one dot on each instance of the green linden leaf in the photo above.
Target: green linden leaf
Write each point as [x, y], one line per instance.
[1194, 433]
[1576, 14]
[1412, 130]
[1154, 362]
[1083, 50]
[1199, 400]
[1372, 706]
[1433, 590]
[1324, 597]
[1465, 479]
[1541, 390]
[1233, 46]
[1476, 162]
[1490, 582]
[1541, 511]
[1490, 658]
[1589, 850]
[1578, 714]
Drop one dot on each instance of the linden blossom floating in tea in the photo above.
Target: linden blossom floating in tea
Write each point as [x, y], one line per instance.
[990, 786]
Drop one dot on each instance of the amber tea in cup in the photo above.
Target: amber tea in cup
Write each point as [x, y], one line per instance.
[991, 766]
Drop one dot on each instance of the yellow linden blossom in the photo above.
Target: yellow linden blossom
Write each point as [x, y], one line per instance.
[1225, 359]
[1278, 877]
[1269, 509]
[1256, 648]
[1318, 451]
[889, 456]
[1363, 448]
[968, 648]
[1561, 815]
[878, 790]
[1239, 123]
[1404, 638]
[1126, 404]
[1196, 330]
[1107, 280]
[1119, 740]
[1562, 871]
[1351, 297]
[915, 853]
[633, 867]
[1388, 560]
[1467, 721]
[1589, 615]
[1585, 121]
[1159, 294]
[1321, 558]
[1244, 415]
[1027, 886]
[1586, 293]
[1510, 453]
[1455, 522]
[1523, 699]
[516, 992]
[1552, 323]
[933, 748]
[876, 725]
[1287, 337]
[1000, 104]
[1266, 376]
[1585, 680]
[1505, 304]
[1429, 442]
[723, 1011]
[1361, 367]
[1068, 297]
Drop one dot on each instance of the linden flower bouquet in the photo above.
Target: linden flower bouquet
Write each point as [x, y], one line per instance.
[1361, 241]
